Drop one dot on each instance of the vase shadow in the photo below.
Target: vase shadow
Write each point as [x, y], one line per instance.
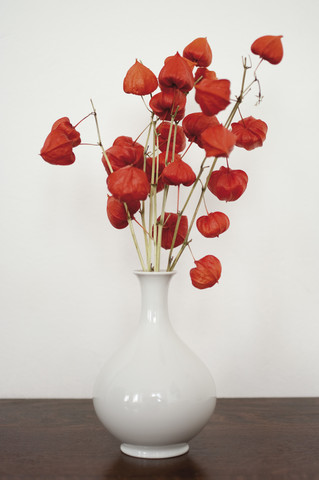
[130, 468]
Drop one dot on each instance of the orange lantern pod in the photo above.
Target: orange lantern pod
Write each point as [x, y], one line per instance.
[57, 149]
[217, 141]
[195, 123]
[163, 134]
[169, 103]
[213, 224]
[250, 133]
[191, 65]
[116, 211]
[269, 47]
[170, 221]
[199, 52]
[123, 152]
[176, 73]
[178, 173]
[212, 96]
[128, 184]
[64, 125]
[203, 73]
[139, 80]
[206, 273]
[59, 144]
[228, 184]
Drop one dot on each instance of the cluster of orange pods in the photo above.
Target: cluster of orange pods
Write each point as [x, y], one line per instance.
[130, 168]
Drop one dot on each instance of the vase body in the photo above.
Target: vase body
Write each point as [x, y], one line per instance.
[154, 394]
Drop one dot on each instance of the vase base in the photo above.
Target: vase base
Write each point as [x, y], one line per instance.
[162, 451]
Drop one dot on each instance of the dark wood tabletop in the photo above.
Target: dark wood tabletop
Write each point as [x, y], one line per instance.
[246, 439]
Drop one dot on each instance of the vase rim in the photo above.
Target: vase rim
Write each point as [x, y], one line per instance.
[160, 273]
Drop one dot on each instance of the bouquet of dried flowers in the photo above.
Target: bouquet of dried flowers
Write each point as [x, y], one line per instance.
[140, 177]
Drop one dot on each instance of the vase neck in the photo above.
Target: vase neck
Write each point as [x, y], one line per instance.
[154, 295]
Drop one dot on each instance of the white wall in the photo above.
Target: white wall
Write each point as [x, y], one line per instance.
[68, 297]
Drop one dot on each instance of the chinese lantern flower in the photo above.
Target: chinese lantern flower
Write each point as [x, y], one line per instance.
[126, 141]
[213, 224]
[116, 211]
[123, 152]
[206, 273]
[178, 172]
[199, 52]
[217, 141]
[176, 73]
[212, 96]
[269, 48]
[128, 184]
[195, 123]
[189, 62]
[59, 144]
[169, 103]
[169, 224]
[139, 80]
[64, 125]
[202, 73]
[250, 133]
[163, 132]
[57, 149]
[228, 184]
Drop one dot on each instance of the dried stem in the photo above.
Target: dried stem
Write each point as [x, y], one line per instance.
[142, 210]
[172, 263]
[99, 138]
[129, 219]
[164, 200]
[180, 213]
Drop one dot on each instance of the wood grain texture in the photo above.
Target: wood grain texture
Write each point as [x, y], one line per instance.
[246, 439]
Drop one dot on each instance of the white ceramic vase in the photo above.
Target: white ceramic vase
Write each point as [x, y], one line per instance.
[154, 394]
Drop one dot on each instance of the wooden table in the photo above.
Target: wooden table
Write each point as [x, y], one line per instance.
[249, 439]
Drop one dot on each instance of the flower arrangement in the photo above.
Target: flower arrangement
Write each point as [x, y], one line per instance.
[141, 177]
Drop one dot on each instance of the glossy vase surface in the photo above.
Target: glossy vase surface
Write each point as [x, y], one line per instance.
[154, 394]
